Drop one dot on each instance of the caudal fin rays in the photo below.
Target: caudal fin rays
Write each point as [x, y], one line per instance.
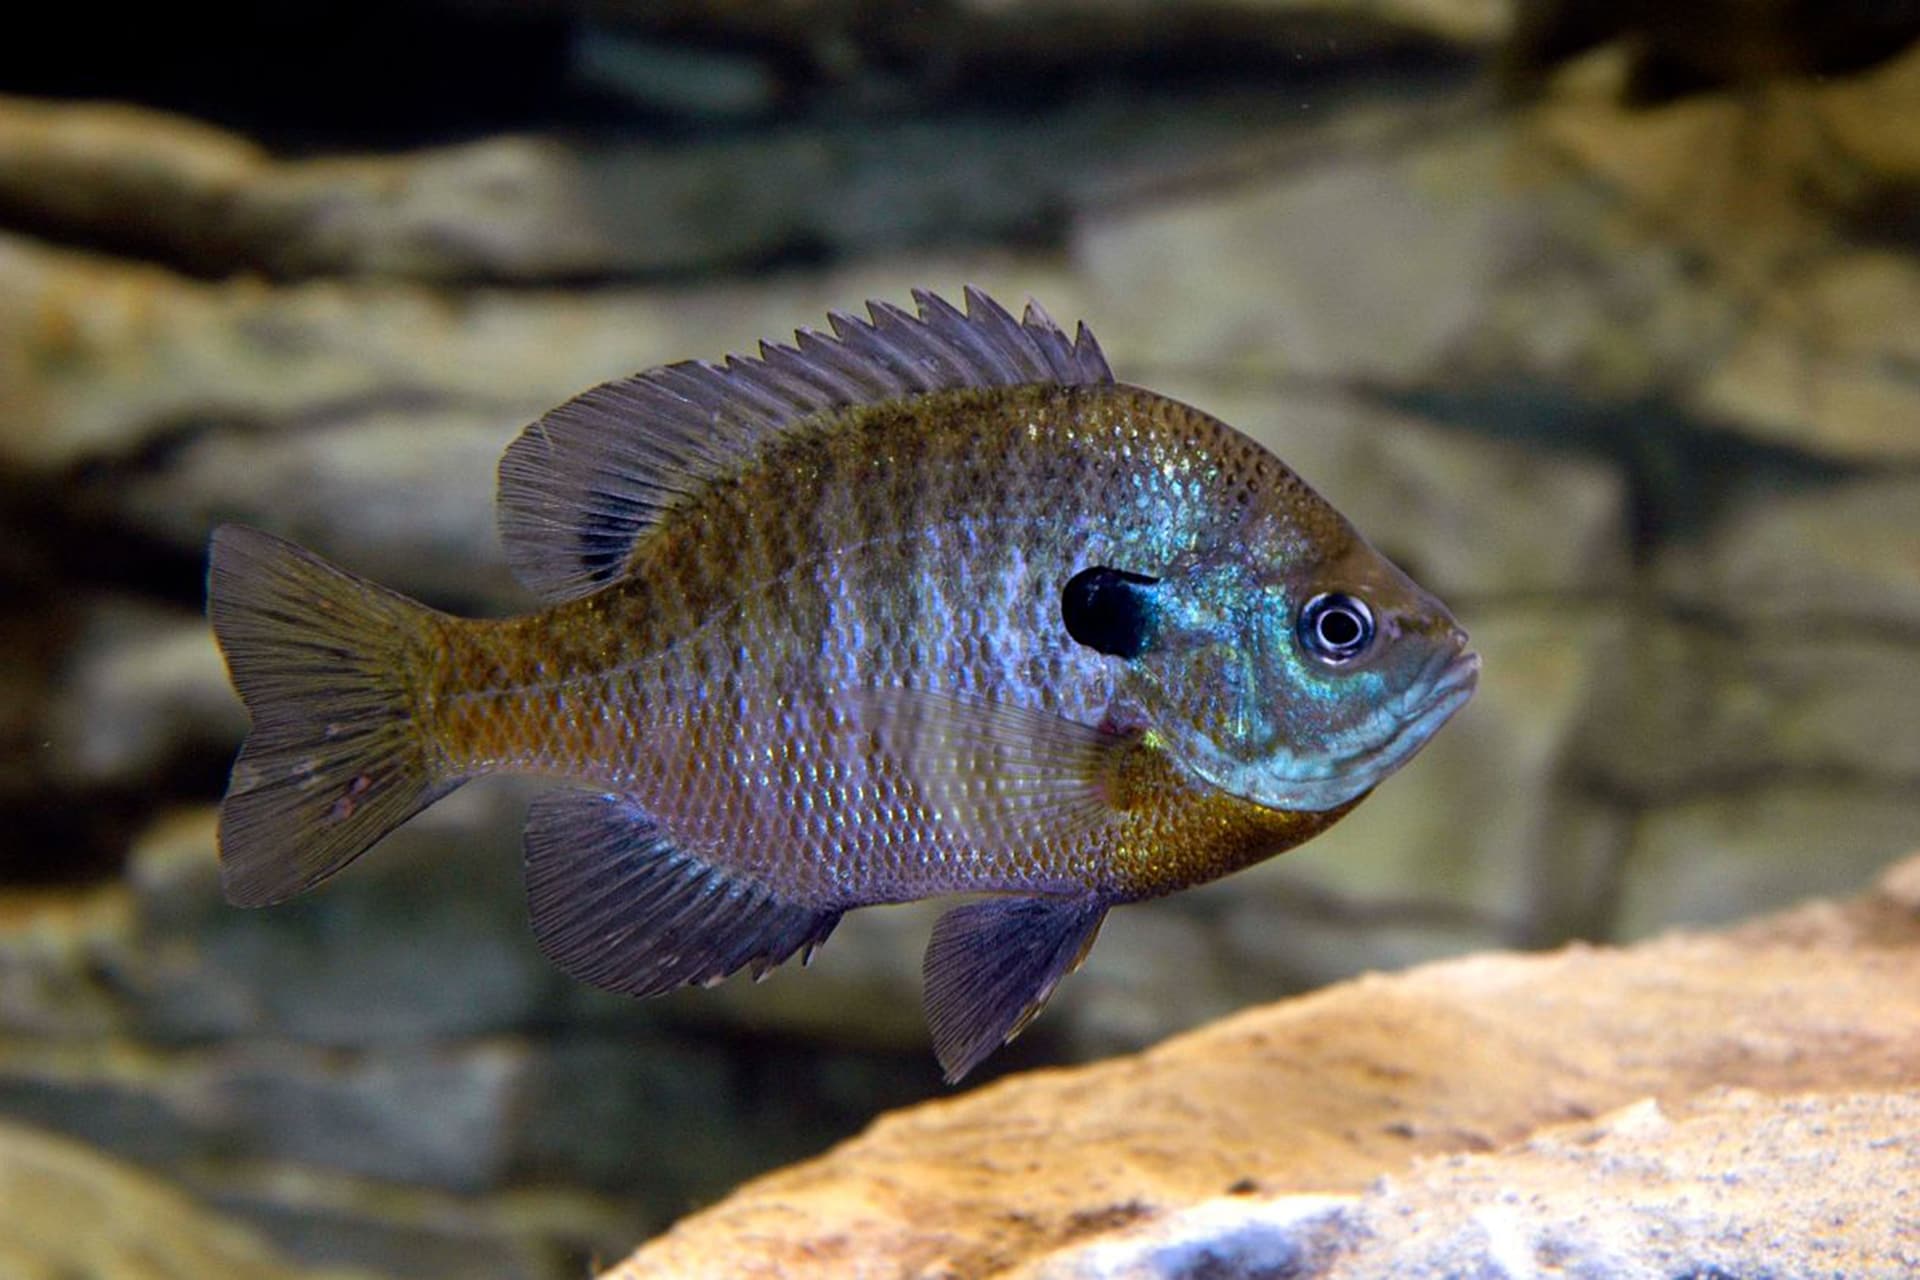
[333, 760]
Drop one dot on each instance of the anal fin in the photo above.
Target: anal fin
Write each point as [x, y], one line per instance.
[615, 904]
[991, 967]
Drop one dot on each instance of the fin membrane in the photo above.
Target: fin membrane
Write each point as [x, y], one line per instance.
[616, 905]
[1008, 777]
[332, 762]
[991, 967]
[580, 486]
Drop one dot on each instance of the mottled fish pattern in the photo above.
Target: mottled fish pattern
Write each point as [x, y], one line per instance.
[929, 604]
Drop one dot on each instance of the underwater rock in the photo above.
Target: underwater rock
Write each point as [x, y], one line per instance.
[419, 479]
[1680, 50]
[1793, 203]
[391, 1074]
[70, 1212]
[424, 944]
[840, 36]
[141, 687]
[1686, 706]
[1578, 249]
[557, 211]
[51, 942]
[1697, 859]
[1823, 365]
[1731, 1183]
[1300, 269]
[430, 1115]
[105, 358]
[1836, 562]
[541, 1233]
[1325, 1093]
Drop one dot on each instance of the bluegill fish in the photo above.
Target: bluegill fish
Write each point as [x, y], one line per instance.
[927, 605]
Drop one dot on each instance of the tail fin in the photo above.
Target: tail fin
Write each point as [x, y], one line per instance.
[334, 760]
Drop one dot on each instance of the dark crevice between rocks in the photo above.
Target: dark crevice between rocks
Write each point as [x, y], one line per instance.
[1888, 218]
[65, 836]
[1677, 50]
[59, 832]
[303, 76]
[307, 77]
[63, 547]
[798, 193]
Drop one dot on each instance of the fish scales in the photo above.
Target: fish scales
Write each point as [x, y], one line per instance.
[824, 636]
[713, 650]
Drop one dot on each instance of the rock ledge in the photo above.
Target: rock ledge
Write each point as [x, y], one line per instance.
[1699, 1104]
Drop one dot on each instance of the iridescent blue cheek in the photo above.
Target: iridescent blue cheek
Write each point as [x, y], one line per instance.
[1317, 708]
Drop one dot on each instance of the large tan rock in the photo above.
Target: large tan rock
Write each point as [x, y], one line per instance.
[1325, 1093]
[1734, 1183]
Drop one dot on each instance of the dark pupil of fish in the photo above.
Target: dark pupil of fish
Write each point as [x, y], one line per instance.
[1336, 628]
[1109, 610]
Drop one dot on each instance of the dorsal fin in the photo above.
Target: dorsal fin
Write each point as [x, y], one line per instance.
[581, 485]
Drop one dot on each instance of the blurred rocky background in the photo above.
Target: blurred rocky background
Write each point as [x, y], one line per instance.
[1602, 319]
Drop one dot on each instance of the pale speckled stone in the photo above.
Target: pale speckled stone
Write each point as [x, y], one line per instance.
[1325, 1093]
[1730, 1184]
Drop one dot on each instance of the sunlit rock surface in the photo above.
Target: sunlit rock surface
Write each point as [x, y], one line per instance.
[1701, 1104]
[1729, 1184]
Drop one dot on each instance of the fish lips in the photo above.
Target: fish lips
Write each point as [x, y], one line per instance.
[1430, 703]
[1442, 687]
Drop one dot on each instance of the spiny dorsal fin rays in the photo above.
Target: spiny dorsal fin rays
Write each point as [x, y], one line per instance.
[581, 486]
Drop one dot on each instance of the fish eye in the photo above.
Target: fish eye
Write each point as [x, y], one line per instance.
[1109, 610]
[1336, 628]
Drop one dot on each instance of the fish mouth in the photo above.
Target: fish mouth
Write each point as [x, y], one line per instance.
[1440, 689]
[1443, 686]
[1430, 703]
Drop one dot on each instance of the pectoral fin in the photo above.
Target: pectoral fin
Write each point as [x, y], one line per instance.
[991, 966]
[1001, 776]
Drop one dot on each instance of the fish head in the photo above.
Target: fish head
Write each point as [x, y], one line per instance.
[1296, 671]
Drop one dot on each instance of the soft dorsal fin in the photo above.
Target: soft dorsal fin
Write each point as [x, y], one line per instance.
[580, 486]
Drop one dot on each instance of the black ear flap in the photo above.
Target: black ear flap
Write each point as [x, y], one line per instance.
[1110, 610]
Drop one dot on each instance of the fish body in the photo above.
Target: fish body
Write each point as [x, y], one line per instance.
[932, 605]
